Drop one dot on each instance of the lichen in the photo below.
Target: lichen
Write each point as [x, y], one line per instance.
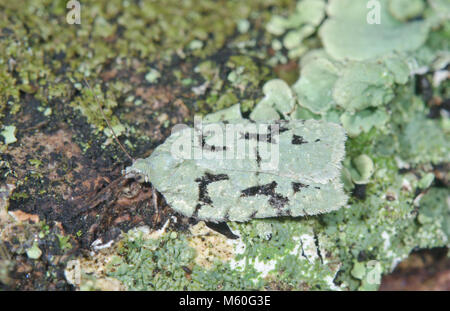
[154, 64]
[8, 134]
[353, 27]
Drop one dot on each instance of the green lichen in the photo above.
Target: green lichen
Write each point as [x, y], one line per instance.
[152, 264]
[8, 134]
[278, 102]
[406, 10]
[361, 169]
[152, 76]
[425, 141]
[352, 28]
[297, 27]
[435, 206]
[34, 252]
[315, 86]
[220, 55]
[364, 121]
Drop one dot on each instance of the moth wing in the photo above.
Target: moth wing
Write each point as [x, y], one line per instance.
[306, 150]
[214, 188]
[312, 150]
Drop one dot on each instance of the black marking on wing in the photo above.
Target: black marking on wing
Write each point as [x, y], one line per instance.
[276, 200]
[298, 140]
[267, 138]
[197, 208]
[222, 228]
[203, 196]
[281, 126]
[258, 158]
[213, 148]
[296, 186]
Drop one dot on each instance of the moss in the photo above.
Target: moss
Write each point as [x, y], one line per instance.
[143, 57]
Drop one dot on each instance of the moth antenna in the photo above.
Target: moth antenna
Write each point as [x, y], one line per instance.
[107, 121]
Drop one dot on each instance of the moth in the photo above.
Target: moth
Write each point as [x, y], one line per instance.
[233, 169]
[219, 179]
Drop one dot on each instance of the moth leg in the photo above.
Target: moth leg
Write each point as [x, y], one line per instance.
[222, 228]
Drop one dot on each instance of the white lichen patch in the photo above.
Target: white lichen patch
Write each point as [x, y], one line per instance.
[73, 272]
[306, 248]
[309, 247]
[239, 249]
[90, 273]
[329, 279]
[264, 268]
[387, 241]
[209, 246]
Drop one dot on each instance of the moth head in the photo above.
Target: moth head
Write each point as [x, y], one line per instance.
[139, 170]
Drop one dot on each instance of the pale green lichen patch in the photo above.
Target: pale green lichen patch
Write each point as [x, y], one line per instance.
[436, 205]
[152, 76]
[277, 102]
[363, 85]
[418, 147]
[364, 121]
[352, 93]
[288, 247]
[298, 26]
[315, 86]
[231, 113]
[8, 134]
[34, 252]
[352, 28]
[361, 169]
[405, 10]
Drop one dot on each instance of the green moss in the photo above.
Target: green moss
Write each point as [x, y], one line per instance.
[215, 54]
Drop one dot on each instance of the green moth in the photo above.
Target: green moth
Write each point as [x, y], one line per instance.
[240, 169]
